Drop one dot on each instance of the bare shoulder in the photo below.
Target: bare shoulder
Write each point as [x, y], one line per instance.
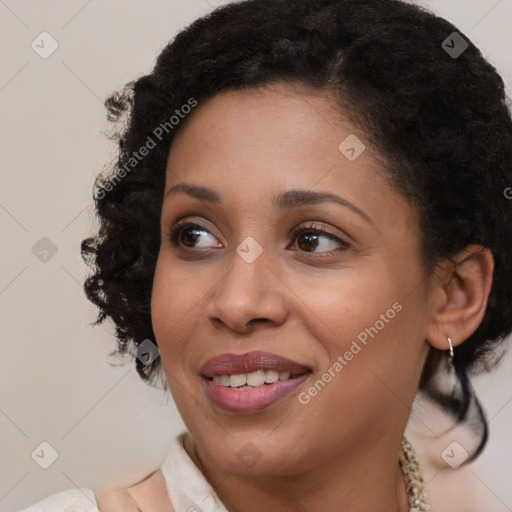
[149, 495]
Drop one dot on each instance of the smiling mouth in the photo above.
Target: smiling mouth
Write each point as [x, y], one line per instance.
[252, 380]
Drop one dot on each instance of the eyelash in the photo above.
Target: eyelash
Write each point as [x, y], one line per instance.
[317, 230]
[312, 228]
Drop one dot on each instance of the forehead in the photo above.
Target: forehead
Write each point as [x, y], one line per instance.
[281, 128]
[255, 142]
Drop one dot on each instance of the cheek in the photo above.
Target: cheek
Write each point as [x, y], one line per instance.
[162, 301]
[350, 302]
[368, 375]
[376, 357]
[171, 304]
[178, 300]
[373, 321]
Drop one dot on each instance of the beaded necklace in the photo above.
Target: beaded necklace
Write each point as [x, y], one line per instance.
[419, 500]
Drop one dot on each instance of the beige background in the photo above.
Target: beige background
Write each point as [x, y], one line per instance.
[55, 383]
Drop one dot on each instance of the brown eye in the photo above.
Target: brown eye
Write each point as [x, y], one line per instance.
[188, 234]
[308, 240]
[311, 238]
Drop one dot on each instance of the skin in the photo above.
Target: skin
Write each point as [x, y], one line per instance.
[304, 302]
[150, 495]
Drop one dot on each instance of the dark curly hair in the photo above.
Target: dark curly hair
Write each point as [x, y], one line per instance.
[438, 120]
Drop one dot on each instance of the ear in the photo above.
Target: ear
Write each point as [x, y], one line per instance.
[459, 294]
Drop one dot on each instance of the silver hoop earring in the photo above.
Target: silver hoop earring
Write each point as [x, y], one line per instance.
[451, 347]
[451, 381]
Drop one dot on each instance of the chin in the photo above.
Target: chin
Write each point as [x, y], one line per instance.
[251, 452]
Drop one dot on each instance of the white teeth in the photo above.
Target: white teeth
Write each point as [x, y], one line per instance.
[238, 380]
[271, 376]
[251, 380]
[256, 378]
[225, 380]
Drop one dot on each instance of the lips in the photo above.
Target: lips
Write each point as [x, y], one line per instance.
[286, 376]
[234, 364]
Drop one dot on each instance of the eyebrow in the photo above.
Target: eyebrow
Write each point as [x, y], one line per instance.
[283, 201]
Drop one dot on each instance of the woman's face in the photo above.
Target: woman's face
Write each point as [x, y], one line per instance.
[253, 289]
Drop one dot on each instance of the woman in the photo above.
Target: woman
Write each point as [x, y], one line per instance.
[308, 217]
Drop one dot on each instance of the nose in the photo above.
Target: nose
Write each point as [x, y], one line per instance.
[248, 295]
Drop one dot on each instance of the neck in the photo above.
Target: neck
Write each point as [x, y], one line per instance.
[351, 481]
